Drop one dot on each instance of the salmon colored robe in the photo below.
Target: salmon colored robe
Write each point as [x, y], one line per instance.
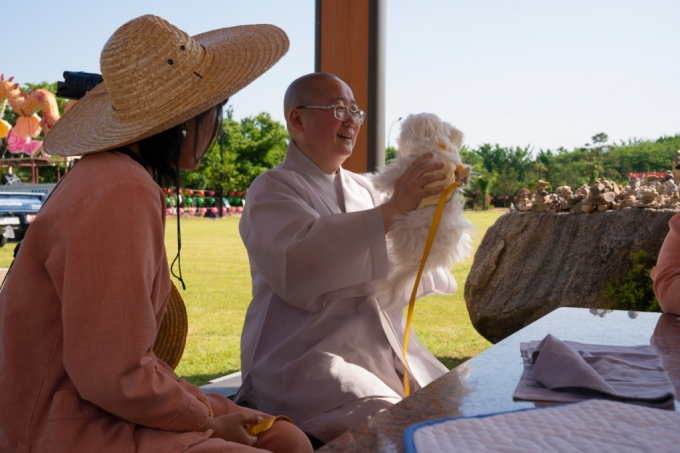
[666, 274]
[78, 317]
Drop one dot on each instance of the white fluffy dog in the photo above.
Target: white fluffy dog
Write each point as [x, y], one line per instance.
[420, 134]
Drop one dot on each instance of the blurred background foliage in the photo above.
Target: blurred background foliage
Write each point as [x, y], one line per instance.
[247, 147]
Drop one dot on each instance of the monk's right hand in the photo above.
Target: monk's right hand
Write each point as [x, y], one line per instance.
[410, 188]
[232, 427]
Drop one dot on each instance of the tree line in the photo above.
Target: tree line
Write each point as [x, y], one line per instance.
[499, 172]
[246, 148]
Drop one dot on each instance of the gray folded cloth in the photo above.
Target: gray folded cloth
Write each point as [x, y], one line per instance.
[567, 371]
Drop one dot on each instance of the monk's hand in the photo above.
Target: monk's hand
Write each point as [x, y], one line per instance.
[410, 188]
[232, 427]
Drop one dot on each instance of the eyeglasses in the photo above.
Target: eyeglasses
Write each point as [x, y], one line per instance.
[341, 112]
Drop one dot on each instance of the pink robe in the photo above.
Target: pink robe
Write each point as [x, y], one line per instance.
[78, 318]
[666, 274]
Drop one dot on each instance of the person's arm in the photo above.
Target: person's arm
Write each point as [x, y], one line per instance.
[304, 257]
[308, 259]
[666, 274]
[410, 188]
[105, 263]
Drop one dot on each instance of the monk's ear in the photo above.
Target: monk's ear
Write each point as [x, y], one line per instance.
[295, 120]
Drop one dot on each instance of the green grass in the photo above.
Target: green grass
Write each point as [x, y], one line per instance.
[216, 271]
[217, 274]
[442, 322]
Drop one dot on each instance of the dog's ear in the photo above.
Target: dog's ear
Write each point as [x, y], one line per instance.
[456, 137]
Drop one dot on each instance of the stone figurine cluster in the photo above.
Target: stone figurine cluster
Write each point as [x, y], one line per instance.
[649, 192]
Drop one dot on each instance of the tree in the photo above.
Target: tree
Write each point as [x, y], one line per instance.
[390, 153]
[600, 138]
[540, 168]
[242, 151]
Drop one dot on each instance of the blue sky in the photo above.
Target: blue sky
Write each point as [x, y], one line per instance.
[515, 72]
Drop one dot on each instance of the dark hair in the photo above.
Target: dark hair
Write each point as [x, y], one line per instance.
[161, 152]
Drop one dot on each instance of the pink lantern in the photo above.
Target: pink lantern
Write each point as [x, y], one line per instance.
[507, 197]
[213, 211]
[192, 211]
[239, 210]
[232, 210]
[168, 211]
[202, 211]
[181, 211]
[224, 210]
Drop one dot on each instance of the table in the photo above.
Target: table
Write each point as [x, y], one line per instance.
[485, 383]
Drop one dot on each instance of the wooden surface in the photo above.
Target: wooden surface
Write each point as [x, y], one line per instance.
[344, 52]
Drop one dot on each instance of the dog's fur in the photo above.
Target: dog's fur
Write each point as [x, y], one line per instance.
[420, 134]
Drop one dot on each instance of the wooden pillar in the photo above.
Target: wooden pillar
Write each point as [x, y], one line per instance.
[350, 43]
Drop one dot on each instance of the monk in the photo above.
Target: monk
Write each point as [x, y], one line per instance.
[318, 344]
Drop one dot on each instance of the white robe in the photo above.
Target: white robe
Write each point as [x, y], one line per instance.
[315, 335]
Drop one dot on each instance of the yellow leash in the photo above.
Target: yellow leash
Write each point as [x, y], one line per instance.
[462, 174]
[265, 425]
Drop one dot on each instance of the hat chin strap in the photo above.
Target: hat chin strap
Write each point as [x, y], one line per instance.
[179, 231]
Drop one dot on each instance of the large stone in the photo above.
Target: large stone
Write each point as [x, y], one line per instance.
[529, 264]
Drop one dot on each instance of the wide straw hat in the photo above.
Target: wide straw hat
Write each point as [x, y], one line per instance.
[172, 334]
[156, 77]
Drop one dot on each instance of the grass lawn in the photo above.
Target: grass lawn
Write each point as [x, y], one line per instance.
[215, 269]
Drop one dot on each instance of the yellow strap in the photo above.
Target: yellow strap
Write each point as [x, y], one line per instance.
[265, 425]
[428, 245]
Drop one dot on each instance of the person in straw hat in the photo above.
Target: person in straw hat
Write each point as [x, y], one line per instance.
[89, 287]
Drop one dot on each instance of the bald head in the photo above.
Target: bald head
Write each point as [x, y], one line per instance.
[306, 90]
[321, 136]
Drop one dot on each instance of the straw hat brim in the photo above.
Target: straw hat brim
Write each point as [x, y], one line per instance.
[239, 55]
[172, 334]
